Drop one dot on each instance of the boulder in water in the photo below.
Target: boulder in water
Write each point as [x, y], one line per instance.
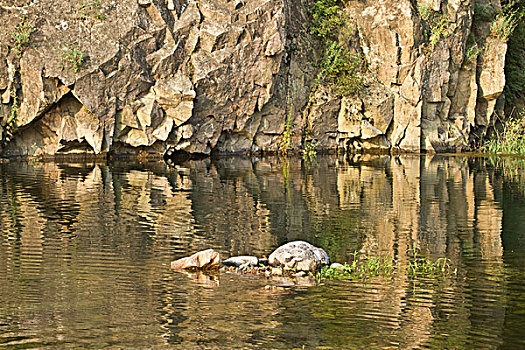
[299, 255]
[203, 260]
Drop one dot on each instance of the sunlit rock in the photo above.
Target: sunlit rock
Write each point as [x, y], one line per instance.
[241, 261]
[203, 260]
[299, 255]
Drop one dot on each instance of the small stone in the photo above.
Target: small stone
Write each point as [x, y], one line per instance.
[300, 274]
[290, 265]
[144, 3]
[306, 265]
[337, 266]
[263, 261]
[267, 273]
[277, 271]
[241, 260]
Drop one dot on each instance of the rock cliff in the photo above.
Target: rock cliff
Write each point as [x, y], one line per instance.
[203, 76]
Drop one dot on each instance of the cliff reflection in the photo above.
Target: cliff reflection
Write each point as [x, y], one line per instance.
[84, 251]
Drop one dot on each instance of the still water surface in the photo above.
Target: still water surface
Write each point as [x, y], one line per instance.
[85, 252]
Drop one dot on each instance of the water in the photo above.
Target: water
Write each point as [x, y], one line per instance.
[85, 252]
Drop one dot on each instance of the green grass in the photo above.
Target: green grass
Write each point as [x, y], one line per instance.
[309, 151]
[473, 50]
[91, 9]
[509, 140]
[364, 267]
[74, 57]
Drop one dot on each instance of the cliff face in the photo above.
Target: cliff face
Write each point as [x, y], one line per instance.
[212, 75]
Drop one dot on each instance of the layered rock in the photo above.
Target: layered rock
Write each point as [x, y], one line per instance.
[426, 87]
[203, 260]
[193, 76]
[216, 75]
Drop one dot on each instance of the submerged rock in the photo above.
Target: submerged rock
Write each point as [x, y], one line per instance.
[245, 260]
[299, 255]
[203, 260]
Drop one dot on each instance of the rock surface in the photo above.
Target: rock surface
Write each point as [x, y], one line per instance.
[203, 260]
[216, 75]
[299, 255]
[237, 261]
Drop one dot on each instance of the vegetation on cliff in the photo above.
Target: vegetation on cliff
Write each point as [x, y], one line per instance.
[339, 66]
[508, 136]
[510, 139]
[515, 59]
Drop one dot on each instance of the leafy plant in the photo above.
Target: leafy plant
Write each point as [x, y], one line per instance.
[309, 151]
[438, 29]
[10, 124]
[22, 35]
[437, 22]
[90, 9]
[362, 267]
[473, 50]
[286, 141]
[510, 140]
[74, 57]
[472, 53]
[425, 12]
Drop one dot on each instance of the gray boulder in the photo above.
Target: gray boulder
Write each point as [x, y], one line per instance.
[299, 255]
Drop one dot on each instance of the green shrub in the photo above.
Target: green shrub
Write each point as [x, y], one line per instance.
[510, 140]
[309, 151]
[10, 124]
[22, 35]
[437, 22]
[515, 58]
[286, 141]
[472, 52]
[338, 66]
[515, 66]
[504, 24]
[327, 18]
[439, 28]
[425, 12]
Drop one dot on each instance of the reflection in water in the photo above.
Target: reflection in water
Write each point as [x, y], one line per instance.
[85, 249]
